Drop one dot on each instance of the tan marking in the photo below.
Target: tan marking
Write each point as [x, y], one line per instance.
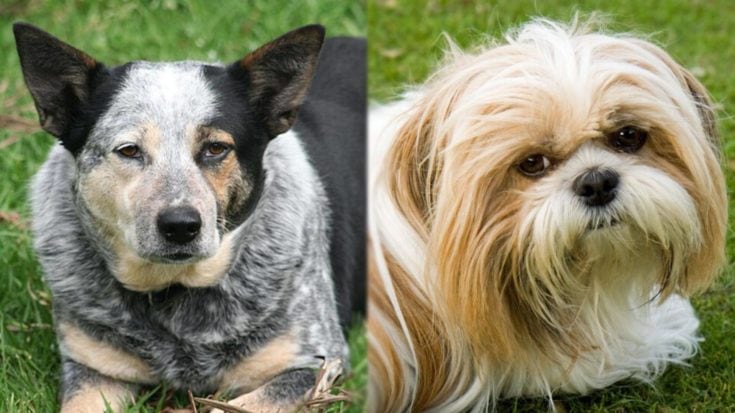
[267, 362]
[257, 402]
[226, 179]
[103, 357]
[103, 190]
[138, 274]
[92, 398]
[109, 188]
[214, 135]
[150, 140]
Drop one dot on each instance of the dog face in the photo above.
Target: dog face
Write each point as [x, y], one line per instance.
[169, 155]
[156, 172]
[566, 165]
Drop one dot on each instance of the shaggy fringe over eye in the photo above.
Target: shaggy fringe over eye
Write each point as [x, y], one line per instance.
[455, 300]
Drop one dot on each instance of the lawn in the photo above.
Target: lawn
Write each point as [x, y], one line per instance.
[406, 43]
[114, 32]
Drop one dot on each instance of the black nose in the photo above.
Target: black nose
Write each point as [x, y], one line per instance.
[180, 224]
[597, 187]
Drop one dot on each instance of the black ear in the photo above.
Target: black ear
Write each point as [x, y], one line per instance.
[57, 75]
[280, 73]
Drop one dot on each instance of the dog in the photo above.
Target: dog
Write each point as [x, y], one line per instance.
[192, 229]
[539, 213]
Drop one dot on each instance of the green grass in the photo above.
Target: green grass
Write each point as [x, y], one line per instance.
[114, 32]
[406, 43]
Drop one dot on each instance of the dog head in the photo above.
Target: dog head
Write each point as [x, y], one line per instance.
[560, 164]
[169, 155]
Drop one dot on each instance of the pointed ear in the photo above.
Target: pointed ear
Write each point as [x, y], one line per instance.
[57, 75]
[280, 73]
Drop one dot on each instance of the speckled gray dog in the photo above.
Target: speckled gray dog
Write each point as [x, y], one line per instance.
[188, 234]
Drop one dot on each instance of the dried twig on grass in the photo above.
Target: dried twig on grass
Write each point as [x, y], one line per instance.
[191, 401]
[9, 141]
[323, 394]
[18, 123]
[221, 405]
[13, 218]
[27, 327]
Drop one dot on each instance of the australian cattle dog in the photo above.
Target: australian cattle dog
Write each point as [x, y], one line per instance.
[193, 230]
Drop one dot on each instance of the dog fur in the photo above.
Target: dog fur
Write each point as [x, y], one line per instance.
[258, 298]
[491, 276]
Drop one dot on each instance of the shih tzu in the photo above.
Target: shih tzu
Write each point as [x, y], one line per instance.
[541, 210]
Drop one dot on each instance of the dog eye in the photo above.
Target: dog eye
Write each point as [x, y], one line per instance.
[129, 150]
[628, 139]
[215, 149]
[534, 165]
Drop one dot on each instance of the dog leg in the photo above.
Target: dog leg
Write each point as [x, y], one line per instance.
[283, 394]
[84, 390]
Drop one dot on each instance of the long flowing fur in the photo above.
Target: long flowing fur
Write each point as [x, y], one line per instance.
[486, 284]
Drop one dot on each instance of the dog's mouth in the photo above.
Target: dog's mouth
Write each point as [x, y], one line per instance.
[181, 256]
[603, 224]
[175, 258]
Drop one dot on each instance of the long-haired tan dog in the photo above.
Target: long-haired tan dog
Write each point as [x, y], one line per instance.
[540, 212]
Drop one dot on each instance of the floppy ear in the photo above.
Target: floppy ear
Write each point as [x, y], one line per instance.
[703, 268]
[280, 73]
[696, 89]
[57, 75]
[708, 188]
[704, 107]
